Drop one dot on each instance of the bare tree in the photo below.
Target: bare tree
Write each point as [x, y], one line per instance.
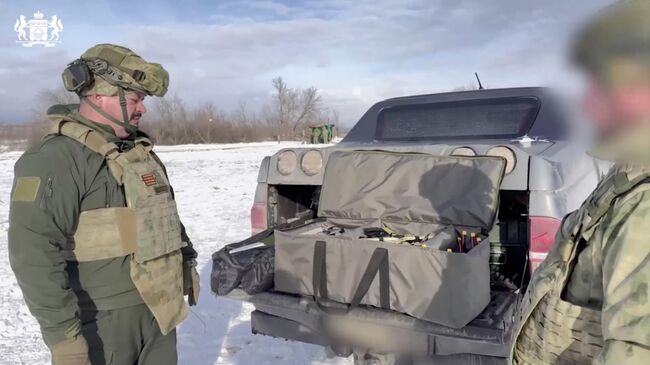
[328, 116]
[293, 108]
[168, 121]
[242, 115]
[38, 124]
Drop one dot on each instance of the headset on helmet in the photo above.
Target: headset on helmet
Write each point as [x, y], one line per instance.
[77, 76]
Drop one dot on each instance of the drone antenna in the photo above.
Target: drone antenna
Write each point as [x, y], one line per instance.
[480, 86]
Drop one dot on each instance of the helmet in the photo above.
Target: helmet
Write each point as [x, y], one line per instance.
[104, 68]
[108, 69]
[619, 31]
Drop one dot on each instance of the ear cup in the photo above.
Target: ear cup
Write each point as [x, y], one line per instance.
[76, 77]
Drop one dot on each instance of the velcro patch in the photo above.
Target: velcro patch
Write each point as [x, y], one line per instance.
[149, 179]
[161, 189]
[26, 189]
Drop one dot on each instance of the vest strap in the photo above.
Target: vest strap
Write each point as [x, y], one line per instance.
[96, 142]
[81, 133]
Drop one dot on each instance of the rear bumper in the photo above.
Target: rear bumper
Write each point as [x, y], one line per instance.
[299, 319]
[270, 325]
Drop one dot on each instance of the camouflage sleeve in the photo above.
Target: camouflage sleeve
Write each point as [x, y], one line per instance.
[44, 206]
[626, 273]
[189, 253]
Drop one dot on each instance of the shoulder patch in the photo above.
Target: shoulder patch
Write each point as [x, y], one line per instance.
[26, 189]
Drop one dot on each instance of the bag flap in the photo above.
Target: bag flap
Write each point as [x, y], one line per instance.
[410, 187]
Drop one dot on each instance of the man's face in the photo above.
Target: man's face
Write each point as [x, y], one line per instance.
[620, 101]
[134, 107]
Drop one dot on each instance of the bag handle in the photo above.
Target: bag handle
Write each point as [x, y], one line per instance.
[319, 277]
[378, 264]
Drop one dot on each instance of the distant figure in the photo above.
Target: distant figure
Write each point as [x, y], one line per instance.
[321, 133]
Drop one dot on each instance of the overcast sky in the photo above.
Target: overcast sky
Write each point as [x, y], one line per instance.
[355, 52]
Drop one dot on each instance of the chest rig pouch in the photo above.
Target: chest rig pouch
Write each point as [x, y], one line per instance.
[552, 330]
[148, 228]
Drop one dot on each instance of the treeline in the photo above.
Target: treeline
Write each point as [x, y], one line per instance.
[287, 116]
[17, 136]
[170, 120]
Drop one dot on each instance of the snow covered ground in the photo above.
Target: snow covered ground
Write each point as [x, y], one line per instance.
[214, 186]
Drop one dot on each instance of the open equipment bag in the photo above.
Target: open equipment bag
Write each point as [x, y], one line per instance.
[435, 198]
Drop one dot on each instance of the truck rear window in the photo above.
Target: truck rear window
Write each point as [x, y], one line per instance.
[486, 118]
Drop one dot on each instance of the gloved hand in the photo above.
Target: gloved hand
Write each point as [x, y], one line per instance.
[73, 351]
[191, 285]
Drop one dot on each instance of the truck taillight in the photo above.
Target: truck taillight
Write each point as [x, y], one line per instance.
[542, 232]
[258, 217]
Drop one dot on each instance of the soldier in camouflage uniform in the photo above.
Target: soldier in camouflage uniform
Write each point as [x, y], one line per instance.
[95, 241]
[588, 303]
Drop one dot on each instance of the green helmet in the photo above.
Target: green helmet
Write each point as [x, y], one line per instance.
[619, 31]
[104, 68]
[108, 69]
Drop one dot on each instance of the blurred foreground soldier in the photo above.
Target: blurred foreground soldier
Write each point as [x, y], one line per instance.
[589, 303]
[94, 238]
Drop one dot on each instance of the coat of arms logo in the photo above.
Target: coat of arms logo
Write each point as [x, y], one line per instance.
[38, 31]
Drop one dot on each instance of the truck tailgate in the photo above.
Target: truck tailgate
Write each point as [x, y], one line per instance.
[299, 318]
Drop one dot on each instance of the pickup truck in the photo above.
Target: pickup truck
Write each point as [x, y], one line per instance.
[547, 176]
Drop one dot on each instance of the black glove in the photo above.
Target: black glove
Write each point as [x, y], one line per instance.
[191, 285]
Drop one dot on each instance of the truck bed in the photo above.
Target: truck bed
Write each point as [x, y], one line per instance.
[300, 319]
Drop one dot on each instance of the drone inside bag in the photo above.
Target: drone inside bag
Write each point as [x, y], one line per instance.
[445, 238]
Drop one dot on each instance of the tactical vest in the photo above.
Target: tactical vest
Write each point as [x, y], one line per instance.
[148, 229]
[551, 330]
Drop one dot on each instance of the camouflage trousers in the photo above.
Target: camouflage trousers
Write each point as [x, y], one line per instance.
[127, 336]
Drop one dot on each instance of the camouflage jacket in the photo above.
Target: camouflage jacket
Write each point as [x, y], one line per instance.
[602, 298]
[56, 180]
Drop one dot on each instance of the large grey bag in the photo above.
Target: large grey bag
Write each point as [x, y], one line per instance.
[407, 194]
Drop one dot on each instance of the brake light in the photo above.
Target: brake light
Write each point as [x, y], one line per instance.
[258, 217]
[542, 232]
